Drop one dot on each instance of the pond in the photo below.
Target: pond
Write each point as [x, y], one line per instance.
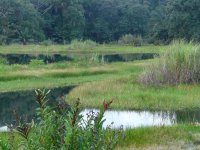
[26, 58]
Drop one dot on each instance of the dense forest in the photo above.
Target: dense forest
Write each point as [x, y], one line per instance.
[156, 21]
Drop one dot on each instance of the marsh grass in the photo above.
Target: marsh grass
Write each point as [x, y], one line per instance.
[26, 77]
[175, 137]
[36, 62]
[129, 39]
[127, 93]
[65, 49]
[180, 64]
[80, 44]
[3, 61]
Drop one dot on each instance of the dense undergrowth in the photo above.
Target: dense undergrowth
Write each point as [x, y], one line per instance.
[62, 127]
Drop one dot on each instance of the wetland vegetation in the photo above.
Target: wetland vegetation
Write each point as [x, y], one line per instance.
[143, 56]
[96, 80]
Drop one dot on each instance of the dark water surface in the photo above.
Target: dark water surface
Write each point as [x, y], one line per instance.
[24, 103]
[26, 58]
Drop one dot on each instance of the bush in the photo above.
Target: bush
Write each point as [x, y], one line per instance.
[129, 39]
[179, 64]
[63, 128]
[78, 45]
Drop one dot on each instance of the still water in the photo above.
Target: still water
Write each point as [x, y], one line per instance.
[52, 58]
[134, 119]
[24, 103]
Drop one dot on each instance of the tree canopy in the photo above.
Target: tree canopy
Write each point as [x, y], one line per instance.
[32, 21]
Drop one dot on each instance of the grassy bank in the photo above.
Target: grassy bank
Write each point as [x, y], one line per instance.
[127, 93]
[175, 137]
[26, 77]
[66, 49]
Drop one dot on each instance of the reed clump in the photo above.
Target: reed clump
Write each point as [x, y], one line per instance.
[179, 64]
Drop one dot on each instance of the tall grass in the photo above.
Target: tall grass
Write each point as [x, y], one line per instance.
[130, 39]
[3, 61]
[78, 44]
[179, 64]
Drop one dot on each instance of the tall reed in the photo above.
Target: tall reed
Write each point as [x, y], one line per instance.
[179, 64]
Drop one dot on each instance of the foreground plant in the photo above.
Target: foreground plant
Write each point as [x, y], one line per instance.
[63, 128]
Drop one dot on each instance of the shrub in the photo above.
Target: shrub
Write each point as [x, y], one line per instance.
[63, 128]
[78, 45]
[129, 39]
[179, 64]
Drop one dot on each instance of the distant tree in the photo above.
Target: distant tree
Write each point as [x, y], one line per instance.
[109, 20]
[64, 19]
[101, 19]
[184, 19]
[133, 18]
[157, 26]
[19, 22]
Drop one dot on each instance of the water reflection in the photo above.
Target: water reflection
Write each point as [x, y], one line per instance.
[26, 58]
[24, 103]
[127, 57]
[134, 119]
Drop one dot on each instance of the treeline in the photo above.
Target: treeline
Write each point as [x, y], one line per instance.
[157, 21]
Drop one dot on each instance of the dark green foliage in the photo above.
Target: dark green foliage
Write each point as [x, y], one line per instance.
[19, 22]
[183, 17]
[158, 32]
[64, 19]
[61, 21]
